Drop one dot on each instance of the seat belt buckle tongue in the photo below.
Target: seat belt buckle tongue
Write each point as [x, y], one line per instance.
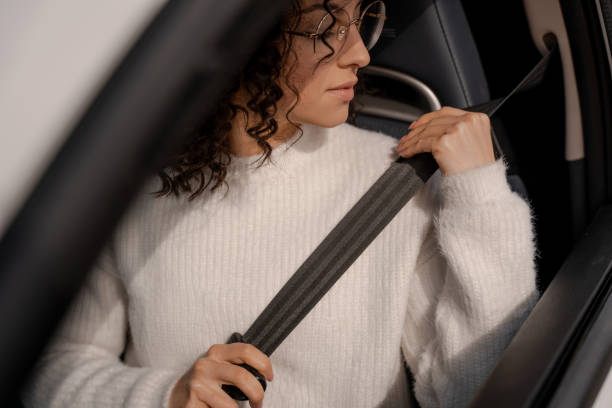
[233, 391]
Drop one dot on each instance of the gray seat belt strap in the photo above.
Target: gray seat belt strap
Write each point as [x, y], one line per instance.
[349, 238]
[339, 250]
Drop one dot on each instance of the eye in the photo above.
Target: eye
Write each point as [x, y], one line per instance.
[329, 34]
[331, 23]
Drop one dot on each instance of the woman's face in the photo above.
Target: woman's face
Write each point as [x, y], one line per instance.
[320, 103]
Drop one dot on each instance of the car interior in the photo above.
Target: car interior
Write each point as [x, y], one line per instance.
[402, 84]
[424, 34]
[432, 53]
[465, 53]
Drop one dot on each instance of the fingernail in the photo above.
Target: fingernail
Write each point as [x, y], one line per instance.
[411, 125]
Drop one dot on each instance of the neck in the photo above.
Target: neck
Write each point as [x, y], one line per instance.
[241, 144]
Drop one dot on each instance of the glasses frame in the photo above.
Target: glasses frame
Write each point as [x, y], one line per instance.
[343, 29]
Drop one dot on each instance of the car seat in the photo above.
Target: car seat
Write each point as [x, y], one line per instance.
[426, 58]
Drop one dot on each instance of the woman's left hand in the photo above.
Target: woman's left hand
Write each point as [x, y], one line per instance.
[459, 140]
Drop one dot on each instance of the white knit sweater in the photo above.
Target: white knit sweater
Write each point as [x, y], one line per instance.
[448, 282]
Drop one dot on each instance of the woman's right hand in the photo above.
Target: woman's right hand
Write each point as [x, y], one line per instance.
[200, 386]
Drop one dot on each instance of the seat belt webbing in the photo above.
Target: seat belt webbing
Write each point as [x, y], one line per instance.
[351, 236]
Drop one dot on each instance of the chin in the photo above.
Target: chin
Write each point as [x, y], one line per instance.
[330, 119]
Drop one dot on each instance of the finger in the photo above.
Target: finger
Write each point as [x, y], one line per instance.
[196, 403]
[411, 135]
[443, 111]
[215, 397]
[424, 143]
[243, 353]
[416, 133]
[425, 132]
[419, 146]
[202, 396]
[440, 120]
[232, 374]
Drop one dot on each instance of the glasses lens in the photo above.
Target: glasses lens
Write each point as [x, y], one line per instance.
[372, 23]
[333, 30]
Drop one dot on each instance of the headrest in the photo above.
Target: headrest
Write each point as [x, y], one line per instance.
[431, 40]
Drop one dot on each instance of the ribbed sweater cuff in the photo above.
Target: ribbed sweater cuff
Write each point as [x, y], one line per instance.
[475, 186]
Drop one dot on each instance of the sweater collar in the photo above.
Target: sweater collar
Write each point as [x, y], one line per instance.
[286, 156]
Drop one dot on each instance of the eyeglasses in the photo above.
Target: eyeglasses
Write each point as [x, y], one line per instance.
[332, 30]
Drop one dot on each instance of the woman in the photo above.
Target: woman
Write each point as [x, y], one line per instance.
[444, 286]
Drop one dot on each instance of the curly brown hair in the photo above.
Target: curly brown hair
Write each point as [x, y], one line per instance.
[203, 159]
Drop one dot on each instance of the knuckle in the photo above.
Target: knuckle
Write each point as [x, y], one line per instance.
[250, 351]
[194, 384]
[202, 364]
[444, 141]
[215, 351]
[485, 120]
[473, 117]
[441, 143]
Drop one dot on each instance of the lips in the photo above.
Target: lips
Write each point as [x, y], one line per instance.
[348, 84]
[344, 91]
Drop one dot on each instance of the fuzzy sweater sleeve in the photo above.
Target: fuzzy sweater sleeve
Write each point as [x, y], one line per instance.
[475, 283]
[81, 366]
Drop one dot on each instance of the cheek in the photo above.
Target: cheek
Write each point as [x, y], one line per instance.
[311, 89]
[298, 73]
[310, 82]
[316, 105]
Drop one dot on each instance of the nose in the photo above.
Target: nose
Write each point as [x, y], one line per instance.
[354, 51]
